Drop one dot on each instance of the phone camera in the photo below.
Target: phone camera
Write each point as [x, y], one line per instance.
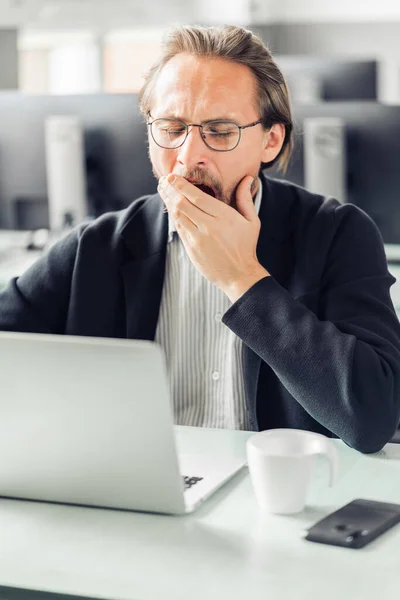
[342, 527]
[356, 534]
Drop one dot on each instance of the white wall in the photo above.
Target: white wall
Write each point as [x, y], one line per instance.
[128, 54]
[78, 62]
[215, 12]
[298, 11]
[75, 69]
[34, 71]
[102, 15]
[64, 62]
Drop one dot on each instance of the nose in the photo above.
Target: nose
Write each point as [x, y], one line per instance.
[193, 152]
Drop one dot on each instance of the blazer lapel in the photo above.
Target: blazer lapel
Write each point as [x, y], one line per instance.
[275, 253]
[145, 237]
[274, 248]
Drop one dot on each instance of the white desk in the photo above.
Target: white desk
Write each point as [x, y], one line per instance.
[227, 549]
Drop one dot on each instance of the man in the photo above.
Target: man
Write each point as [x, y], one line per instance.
[271, 303]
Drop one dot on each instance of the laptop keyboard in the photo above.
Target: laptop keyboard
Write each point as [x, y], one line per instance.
[190, 481]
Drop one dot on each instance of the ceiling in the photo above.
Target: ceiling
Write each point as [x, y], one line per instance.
[105, 15]
[98, 15]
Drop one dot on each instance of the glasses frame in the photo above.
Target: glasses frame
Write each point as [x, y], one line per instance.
[187, 125]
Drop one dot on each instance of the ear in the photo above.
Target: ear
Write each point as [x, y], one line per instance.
[273, 142]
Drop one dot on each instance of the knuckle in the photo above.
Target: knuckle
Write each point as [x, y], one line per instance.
[180, 203]
[196, 200]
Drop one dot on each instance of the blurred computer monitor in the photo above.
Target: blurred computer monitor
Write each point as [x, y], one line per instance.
[372, 140]
[117, 166]
[318, 79]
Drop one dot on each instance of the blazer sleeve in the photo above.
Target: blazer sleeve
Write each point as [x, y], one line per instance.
[342, 366]
[37, 301]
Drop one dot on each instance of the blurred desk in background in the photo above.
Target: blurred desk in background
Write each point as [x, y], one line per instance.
[20, 249]
[15, 258]
[393, 258]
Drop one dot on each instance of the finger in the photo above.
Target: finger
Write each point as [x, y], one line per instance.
[166, 189]
[184, 207]
[178, 204]
[201, 200]
[244, 199]
[185, 227]
[168, 195]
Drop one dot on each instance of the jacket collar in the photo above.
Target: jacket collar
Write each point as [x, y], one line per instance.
[274, 247]
[276, 212]
[145, 229]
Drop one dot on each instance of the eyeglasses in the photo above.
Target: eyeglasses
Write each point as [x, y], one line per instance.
[221, 135]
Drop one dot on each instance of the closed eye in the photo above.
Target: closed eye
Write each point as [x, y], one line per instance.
[173, 131]
[220, 134]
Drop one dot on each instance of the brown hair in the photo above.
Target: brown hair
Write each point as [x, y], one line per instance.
[237, 45]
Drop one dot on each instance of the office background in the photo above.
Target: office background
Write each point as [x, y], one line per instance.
[86, 60]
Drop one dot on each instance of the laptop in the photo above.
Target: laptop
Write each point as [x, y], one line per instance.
[89, 421]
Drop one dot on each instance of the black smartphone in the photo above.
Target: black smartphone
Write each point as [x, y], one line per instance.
[356, 524]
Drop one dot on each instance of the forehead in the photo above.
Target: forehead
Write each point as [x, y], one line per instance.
[192, 87]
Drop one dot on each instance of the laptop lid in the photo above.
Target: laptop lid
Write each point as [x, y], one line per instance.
[88, 421]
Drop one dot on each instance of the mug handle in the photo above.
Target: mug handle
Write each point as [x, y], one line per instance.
[323, 445]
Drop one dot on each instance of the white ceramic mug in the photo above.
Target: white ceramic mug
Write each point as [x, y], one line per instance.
[280, 464]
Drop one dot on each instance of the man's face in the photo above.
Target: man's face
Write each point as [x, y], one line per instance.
[195, 90]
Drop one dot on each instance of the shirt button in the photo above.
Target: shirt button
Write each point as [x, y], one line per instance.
[215, 375]
[218, 317]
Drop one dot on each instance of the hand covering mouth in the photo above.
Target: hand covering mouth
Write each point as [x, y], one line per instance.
[205, 188]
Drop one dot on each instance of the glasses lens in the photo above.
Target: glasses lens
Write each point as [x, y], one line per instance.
[221, 135]
[168, 133]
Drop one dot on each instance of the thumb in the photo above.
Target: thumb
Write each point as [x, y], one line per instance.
[244, 199]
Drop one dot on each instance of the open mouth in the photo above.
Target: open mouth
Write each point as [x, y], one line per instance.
[206, 189]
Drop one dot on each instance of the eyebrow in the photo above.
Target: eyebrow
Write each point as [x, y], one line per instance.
[174, 116]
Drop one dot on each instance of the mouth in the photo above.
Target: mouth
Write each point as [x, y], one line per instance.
[205, 188]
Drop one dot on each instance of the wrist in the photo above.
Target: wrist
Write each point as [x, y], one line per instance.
[237, 288]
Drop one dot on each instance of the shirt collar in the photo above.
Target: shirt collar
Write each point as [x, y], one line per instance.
[257, 204]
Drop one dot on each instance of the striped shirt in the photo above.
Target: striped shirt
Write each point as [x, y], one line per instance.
[204, 358]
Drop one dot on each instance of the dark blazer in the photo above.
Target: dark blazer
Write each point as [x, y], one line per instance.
[322, 340]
